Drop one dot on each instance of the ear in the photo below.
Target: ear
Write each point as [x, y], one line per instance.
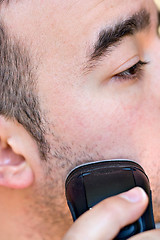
[15, 168]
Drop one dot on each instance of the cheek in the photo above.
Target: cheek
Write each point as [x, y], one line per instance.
[106, 127]
[119, 127]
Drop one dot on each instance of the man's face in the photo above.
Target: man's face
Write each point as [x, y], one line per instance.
[99, 92]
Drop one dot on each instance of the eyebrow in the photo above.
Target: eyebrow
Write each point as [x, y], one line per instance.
[4, 2]
[109, 38]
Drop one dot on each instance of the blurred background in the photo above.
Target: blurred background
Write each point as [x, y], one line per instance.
[158, 3]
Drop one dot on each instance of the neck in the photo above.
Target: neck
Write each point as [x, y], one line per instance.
[24, 219]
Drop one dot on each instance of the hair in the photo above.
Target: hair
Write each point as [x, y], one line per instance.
[18, 100]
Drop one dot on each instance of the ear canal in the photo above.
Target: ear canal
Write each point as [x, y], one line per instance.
[9, 157]
[14, 170]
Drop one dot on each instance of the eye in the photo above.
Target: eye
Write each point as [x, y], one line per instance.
[132, 73]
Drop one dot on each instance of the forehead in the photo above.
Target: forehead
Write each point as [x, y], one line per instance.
[85, 6]
[65, 26]
[81, 14]
[81, 10]
[76, 5]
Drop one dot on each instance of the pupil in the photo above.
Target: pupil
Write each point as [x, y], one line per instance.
[132, 70]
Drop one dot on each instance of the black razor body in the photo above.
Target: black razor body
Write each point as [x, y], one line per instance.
[91, 183]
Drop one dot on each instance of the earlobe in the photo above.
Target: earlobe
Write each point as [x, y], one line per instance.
[16, 177]
[15, 171]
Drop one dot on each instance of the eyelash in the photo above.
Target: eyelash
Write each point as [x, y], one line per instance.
[132, 73]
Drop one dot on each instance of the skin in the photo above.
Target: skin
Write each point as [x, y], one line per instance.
[88, 116]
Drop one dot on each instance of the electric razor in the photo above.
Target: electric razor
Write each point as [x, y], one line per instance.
[88, 184]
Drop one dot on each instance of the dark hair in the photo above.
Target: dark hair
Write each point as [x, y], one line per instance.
[18, 100]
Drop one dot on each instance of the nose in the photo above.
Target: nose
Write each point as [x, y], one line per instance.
[154, 68]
